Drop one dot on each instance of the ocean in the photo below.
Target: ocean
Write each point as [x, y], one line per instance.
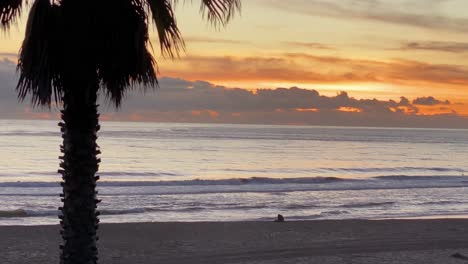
[205, 172]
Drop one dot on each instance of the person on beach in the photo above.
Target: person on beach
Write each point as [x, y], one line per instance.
[279, 219]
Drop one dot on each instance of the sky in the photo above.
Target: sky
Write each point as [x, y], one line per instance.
[313, 62]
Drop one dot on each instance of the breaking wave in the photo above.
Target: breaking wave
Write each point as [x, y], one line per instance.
[365, 205]
[254, 181]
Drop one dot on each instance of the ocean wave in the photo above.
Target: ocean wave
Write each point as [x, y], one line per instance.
[12, 213]
[122, 211]
[248, 181]
[26, 213]
[442, 202]
[19, 133]
[245, 207]
[393, 169]
[364, 205]
[322, 215]
[335, 212]
[137, 174]
[178, 210]
[290, 133]
[20, 213]
[109, 174]
[299, 206]
[47, 194]
[422, 178]
[242, 185]
[195, 182]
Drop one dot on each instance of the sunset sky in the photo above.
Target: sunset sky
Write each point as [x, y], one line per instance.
[370, 49]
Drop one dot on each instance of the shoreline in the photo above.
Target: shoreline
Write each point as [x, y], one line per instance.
[319, 241]
[425, 217]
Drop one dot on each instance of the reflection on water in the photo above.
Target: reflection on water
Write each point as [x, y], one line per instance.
[237, 166]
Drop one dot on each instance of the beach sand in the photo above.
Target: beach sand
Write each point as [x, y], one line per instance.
[345, 241]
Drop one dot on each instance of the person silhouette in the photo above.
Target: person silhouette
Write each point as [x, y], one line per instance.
[279, 219]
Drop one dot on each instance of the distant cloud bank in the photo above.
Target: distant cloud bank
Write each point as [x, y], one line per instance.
[179, 100]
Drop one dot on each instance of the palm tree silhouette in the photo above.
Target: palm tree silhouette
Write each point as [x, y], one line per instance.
[72, 51]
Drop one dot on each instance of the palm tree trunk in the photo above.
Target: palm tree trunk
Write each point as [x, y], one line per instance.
[79, 165]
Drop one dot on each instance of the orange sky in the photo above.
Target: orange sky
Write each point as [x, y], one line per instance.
[380, 49]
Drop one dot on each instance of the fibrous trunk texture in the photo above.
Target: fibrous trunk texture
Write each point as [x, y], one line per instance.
[79, 164]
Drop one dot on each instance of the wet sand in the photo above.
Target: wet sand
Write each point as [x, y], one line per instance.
[345, 241]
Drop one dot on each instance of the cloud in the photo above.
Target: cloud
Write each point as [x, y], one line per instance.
[309, 45]
[9, 106]
[198, 39]
[179, 100]
[429, 100]
[399, 12]
[303, 67]
[453, 47]
[404, 101]
[8, 54]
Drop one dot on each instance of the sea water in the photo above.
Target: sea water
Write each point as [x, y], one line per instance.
[220, 172]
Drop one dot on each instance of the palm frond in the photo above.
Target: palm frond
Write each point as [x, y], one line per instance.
[123, 58]
[220, 11]
[170, 39]
[37, 64]
[106, 41]
[9, 11]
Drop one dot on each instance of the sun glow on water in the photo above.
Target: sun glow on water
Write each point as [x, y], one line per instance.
[203, 172]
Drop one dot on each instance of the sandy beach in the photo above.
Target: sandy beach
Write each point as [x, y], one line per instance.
[345, 241]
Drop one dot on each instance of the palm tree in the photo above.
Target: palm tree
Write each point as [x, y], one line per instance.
[72, 51]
